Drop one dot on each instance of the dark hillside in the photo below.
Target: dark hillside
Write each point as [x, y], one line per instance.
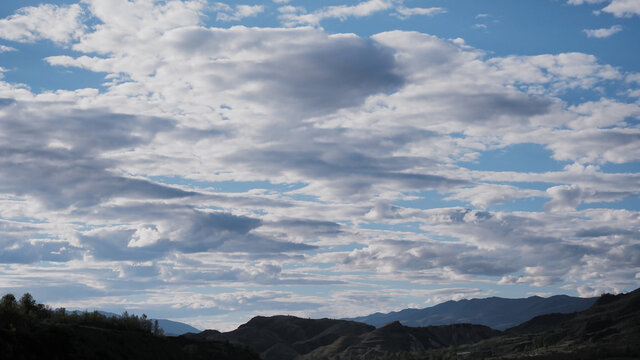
[610, 329]
[33, 331]
[285, 337]
[288, 337]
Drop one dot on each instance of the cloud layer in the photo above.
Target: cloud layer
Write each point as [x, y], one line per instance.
[244, 170]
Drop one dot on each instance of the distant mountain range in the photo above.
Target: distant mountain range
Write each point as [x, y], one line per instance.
[609, 329]
[495, 312]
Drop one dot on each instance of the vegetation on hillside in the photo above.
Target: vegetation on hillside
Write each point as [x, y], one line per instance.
[29, 330]
[610, 329]
[26, 314]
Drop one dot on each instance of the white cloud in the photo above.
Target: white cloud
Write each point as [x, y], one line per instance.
[239, 12]
[561, 72]
[619, 8]
[343, 127]
[623, 8]
[404, 12]
[56, 23]
[341, 12]
[604, 32]
[485, 195]
[580, 2]
[4, 48]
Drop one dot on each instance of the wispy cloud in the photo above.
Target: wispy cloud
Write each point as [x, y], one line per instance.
[237, 12]
[604, 32]
[404, 12]
[4, 48]
[341, 12]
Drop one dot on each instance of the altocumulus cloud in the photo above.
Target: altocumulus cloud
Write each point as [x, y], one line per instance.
[356, 160]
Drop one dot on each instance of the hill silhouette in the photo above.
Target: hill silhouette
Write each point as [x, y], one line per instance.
[33, 331]
[495, 312]
[609, 329]
[289, 337]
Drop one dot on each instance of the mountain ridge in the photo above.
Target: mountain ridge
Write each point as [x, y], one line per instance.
[496, 312]
[609, 329]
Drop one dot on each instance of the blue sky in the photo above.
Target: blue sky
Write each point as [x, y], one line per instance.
[211, 161]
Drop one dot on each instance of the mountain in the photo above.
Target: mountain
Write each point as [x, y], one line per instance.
[175, 328]
[289, 337]
[169, 327]
[609, 329]
[495, 312]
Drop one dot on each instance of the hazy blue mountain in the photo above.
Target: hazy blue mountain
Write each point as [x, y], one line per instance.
[497, 313]
[175, 328]
[170, 327]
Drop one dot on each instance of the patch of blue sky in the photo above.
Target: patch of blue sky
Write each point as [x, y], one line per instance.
[610, 89]
[47, 264]
[43, 236]
[80, 226]
[430, 199]
[532, 185]
[209, 290]
[28, 220]
[626, 168]
[531, 27]
[7, 8]
[504, 27]
[319, 266]
[531, 204]
[227, 186]
[304, 197]
[442, 238]
[527, 157]
[333, 249]
[27, 66]
[411, 226]
[516, 291]
[267, 19]
[631, 203]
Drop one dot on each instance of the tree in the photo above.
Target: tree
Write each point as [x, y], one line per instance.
[8, 302]
[27, 303]
[156, 329]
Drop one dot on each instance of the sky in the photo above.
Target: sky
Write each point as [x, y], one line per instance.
[208, 162]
